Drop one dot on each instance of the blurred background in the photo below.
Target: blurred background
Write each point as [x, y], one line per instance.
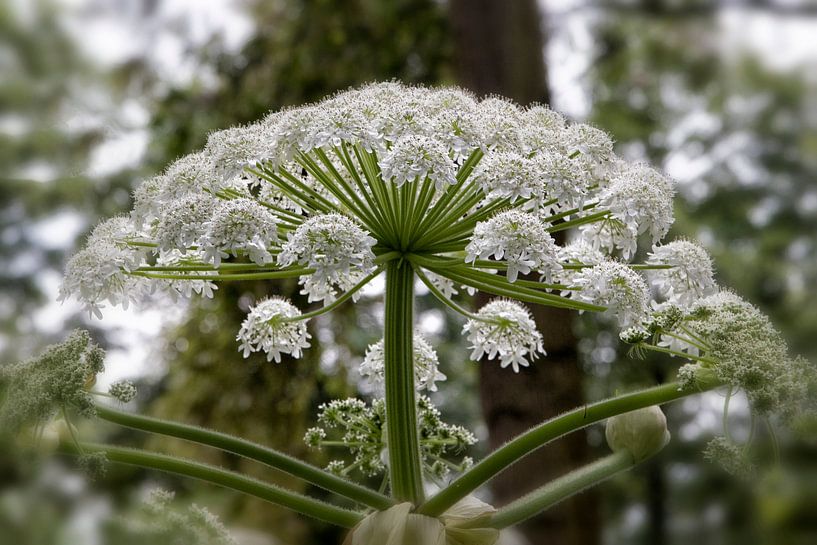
[96, 95]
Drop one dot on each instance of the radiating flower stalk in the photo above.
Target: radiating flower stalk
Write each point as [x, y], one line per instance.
[431, 186]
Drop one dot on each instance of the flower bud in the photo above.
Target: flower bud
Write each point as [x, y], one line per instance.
[642, 432]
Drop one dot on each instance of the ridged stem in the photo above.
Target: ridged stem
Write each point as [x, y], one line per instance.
[401, 405]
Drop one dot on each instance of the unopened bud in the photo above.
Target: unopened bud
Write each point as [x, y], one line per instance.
[642, 432]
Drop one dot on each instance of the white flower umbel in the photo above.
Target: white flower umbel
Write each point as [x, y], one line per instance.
[510, 175]
[415, 157]
[426, 371]
[233, 149]
[336, 247]
[639, 201]
[614, 285]
[505, 329]
[269, 328]
[98, 274]
[185, 221]
[691, 275]
[241, 226]
[518, 238]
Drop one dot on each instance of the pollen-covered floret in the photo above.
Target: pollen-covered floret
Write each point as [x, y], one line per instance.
[426, 372]
[241, 226]
[362, 428]
[273, 327]
[336, 247]
[505, 329]
[690, 276]
[59, 378]
[614, 285]
[519, 239]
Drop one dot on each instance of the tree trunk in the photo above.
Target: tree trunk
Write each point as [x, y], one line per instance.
[499, 49]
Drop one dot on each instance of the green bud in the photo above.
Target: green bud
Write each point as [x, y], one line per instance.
[642, 432]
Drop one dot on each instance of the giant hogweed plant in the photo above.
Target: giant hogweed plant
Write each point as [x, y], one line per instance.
[426, 186]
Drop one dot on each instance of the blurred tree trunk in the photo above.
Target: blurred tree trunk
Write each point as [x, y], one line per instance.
[499, 49]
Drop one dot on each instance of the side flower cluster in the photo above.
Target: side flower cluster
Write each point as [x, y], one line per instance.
[360, 428]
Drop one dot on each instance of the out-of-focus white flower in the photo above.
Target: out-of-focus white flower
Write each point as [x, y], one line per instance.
[415, 157]
[267, 329]
[614, 285]
[426, 372]
[241, 225]
[505, 329]
[519, 239]
[691, 275]
[336, 247]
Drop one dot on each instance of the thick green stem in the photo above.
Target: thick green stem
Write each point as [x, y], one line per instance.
[556, 427]
[560, 489]
[250, 450]
[228, 479]
[401, 404]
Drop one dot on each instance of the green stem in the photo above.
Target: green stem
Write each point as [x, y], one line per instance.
[250, 450]
[401, 406]
[560, 489]
[228, 479]
[556, 427]
[270, 275]
[340, 300]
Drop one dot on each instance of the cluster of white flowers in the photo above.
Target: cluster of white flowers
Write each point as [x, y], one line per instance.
[505, 329]
[426, 371]
[689, 276]
[241, 226]
[322, 190]
[415, 157]
[640, 201]
[617, 287]
[270, 328]
[518, 238]
[336, 247]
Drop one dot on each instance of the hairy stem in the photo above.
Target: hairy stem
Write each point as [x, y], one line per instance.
[556, 427]
[249, 450]
[228, 479]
